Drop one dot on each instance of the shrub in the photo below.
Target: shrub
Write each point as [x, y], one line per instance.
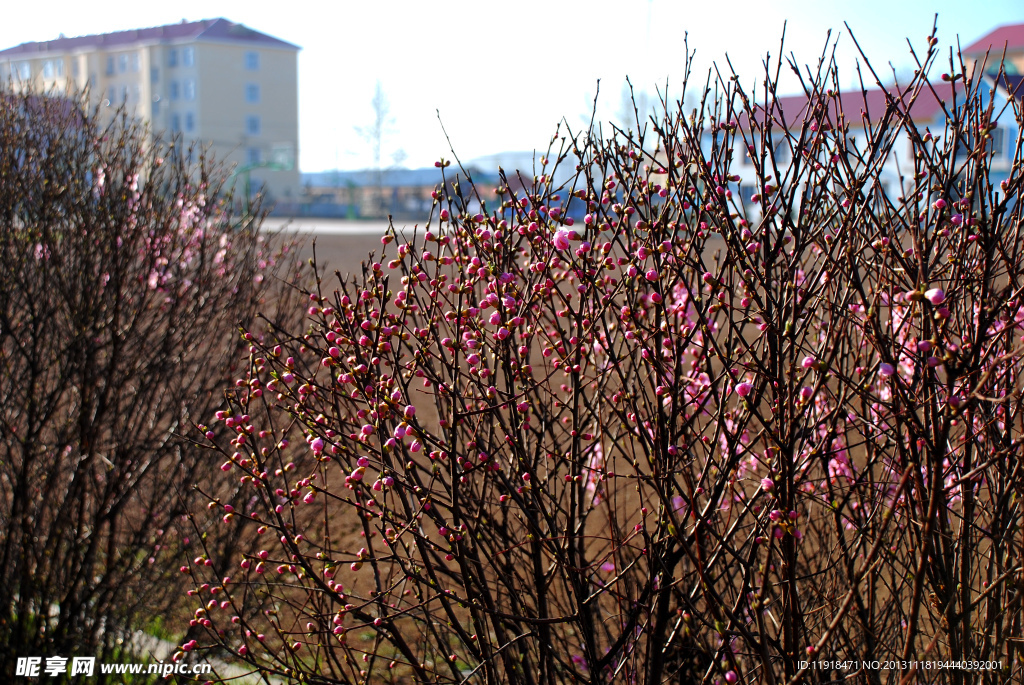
[123, 280]
[686, 439]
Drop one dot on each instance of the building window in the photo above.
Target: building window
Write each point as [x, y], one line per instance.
[122, 63]
[253, 156]
[175, 93]
[48, 69]
[252, 125]
[252, 92]
[188, 56]
[252, 61]
[59, 64]
[998, 143]
[175, 123]
[747, 192]
[110, 65]
[75, 68]
[190, 89]
[24, 71]
[154, 75]
[190, 122]
[783, 152]
[136, 61]
[172, 58]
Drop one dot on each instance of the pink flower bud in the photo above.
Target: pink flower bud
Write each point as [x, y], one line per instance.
[885, 370]
[743, 389]
[767, 484]
[935, 295]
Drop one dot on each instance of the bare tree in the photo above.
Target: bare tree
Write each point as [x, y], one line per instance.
[376, 136]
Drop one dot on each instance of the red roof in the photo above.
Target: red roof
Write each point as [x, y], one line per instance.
[213, 29]
[1010, 36]
[855, 105]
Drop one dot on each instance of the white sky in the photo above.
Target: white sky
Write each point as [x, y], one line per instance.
[503, 74]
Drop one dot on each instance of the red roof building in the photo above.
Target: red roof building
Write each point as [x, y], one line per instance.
[1009, 38]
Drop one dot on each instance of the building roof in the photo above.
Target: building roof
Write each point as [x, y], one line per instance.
[856, 106]
[208, 29]
[1010, 36]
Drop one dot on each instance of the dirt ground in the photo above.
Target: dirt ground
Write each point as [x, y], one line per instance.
[340, 245]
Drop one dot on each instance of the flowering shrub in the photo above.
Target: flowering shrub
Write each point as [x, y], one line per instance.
[686, 438]
[122, 283]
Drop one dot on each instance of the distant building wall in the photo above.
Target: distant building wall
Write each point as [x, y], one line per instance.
[213, 82]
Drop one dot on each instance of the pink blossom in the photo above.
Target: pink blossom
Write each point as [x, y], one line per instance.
[743, 389]
[885, 370]
[561, 240]
[767, 484]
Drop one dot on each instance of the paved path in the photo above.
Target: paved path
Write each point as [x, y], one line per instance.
[332, 226]
[145, 645]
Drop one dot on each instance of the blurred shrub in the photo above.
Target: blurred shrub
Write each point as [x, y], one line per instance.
[123, 280]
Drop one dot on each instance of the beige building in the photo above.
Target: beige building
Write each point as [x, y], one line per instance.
[212, 81]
